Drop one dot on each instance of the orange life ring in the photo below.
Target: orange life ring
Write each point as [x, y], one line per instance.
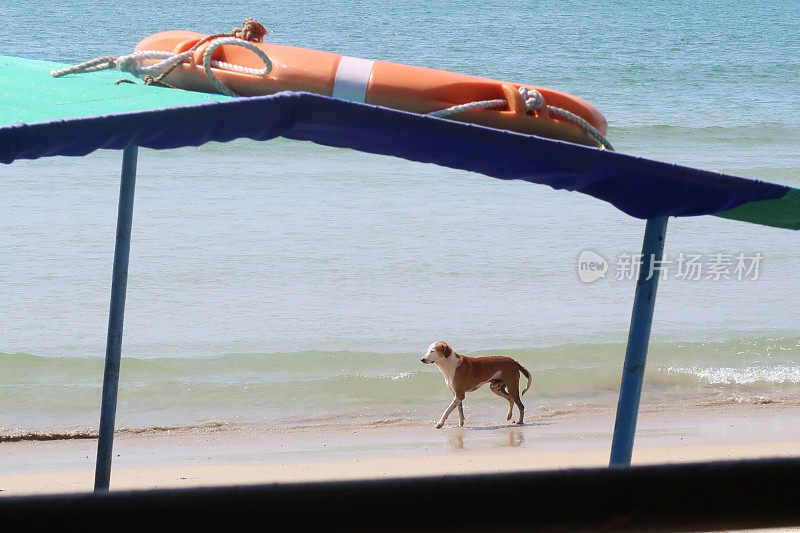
[405, 87]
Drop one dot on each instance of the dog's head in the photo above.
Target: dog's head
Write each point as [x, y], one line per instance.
[437, 351]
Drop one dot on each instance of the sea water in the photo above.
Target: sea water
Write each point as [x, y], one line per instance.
[281, 283]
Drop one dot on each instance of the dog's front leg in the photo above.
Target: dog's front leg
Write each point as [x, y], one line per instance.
[447, 412]
[461, 413]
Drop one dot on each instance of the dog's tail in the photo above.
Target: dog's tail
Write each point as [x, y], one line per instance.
[527, 375]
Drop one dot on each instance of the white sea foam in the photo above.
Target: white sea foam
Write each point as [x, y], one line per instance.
[741, 376]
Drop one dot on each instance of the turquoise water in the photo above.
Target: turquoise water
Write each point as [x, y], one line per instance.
[282, 269]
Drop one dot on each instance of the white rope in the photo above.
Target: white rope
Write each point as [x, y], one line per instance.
[129, 63]
[533, 101]
[101, 63]
[216, 43]
[456, 109]
[591, 130]
[133, 63]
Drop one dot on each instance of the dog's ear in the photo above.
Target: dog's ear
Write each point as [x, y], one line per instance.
[446, 350]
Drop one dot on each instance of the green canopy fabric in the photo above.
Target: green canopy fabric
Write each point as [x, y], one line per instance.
[30, 94]
[781, 213]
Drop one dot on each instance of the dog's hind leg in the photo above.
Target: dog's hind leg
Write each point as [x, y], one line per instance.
[461, 413]
[498, 387]
[513, 392]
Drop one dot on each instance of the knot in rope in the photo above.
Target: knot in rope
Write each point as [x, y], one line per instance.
[132, 63]
[251, 30]
[533, 99]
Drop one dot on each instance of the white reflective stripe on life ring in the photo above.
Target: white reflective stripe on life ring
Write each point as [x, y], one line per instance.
[352, 77]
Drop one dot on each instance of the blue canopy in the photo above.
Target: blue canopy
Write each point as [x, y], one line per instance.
[640, 187]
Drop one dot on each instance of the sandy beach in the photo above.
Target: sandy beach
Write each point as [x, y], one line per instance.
[385, 467]
[211, 455]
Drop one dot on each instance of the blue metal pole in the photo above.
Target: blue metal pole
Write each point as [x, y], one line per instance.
[638, 339]
[119, 283]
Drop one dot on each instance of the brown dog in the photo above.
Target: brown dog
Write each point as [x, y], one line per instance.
[464, 374]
